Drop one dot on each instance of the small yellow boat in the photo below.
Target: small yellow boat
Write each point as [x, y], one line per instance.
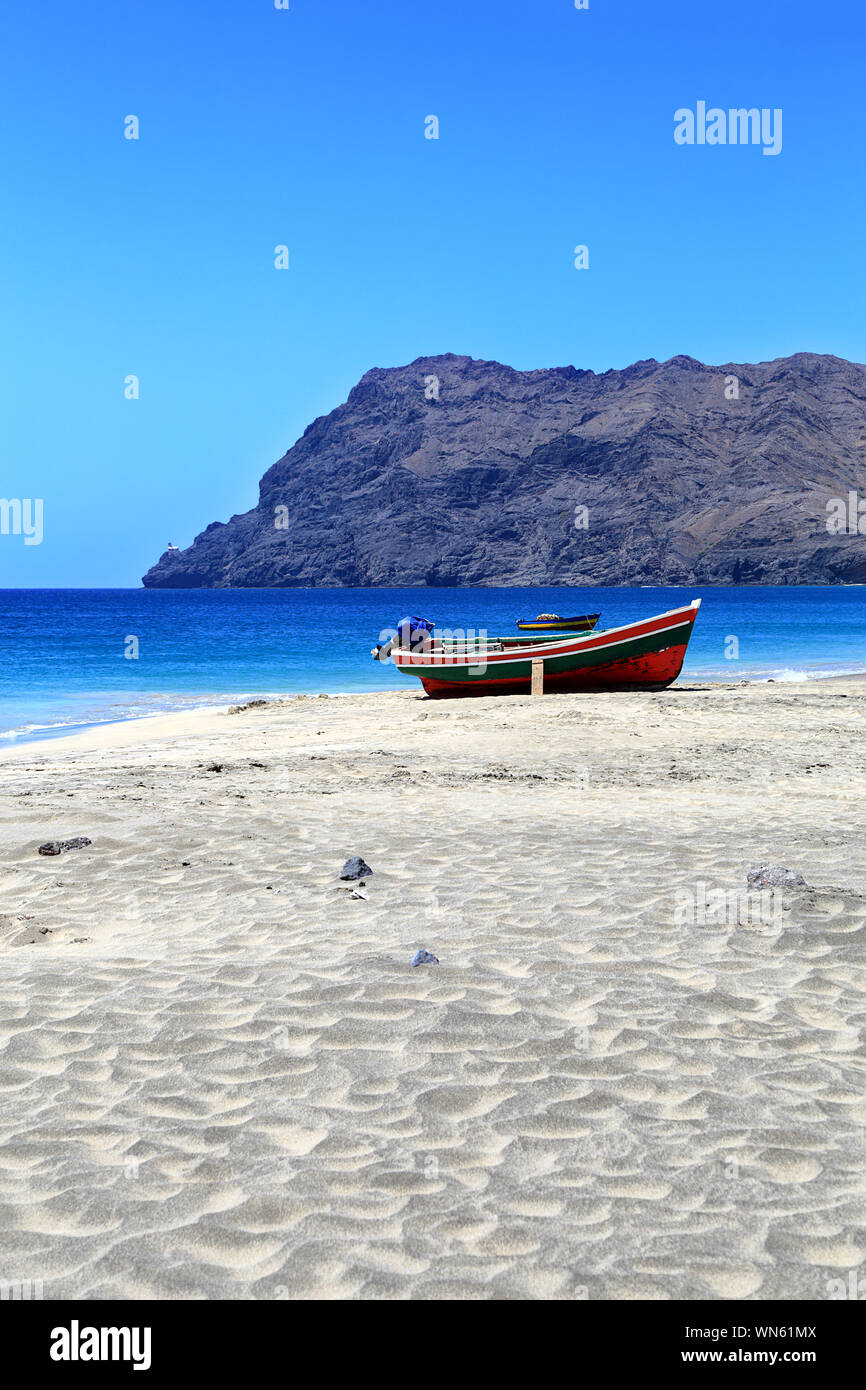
[551, 622]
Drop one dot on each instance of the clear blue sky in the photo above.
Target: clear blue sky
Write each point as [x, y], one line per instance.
[306, 127]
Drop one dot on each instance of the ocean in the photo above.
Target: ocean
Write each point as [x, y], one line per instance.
[71, 658]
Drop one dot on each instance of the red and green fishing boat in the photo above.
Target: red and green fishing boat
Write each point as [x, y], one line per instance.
[647, 655]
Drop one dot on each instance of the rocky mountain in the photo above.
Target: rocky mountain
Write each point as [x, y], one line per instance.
[452, 471]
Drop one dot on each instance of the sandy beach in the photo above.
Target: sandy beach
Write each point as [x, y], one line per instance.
[220, 1076]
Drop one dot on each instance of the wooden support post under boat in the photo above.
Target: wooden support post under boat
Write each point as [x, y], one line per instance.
[538, 678]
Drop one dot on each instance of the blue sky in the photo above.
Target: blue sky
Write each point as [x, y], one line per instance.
[305, 127]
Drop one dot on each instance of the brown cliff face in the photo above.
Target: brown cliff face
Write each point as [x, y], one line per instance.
[481, 486]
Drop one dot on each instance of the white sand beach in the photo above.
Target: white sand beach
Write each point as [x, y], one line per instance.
[220, 1076]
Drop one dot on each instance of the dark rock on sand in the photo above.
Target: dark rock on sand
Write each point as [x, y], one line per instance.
[58, 846]
[355, 868]
[771, 876]
[423, 957]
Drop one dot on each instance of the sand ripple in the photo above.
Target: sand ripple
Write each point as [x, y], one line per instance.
[236, 1086]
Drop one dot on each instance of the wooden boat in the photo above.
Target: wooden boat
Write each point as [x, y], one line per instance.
[647, 655]
[550, 622]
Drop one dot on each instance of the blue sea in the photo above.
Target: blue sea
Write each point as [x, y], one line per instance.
[68, 658]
